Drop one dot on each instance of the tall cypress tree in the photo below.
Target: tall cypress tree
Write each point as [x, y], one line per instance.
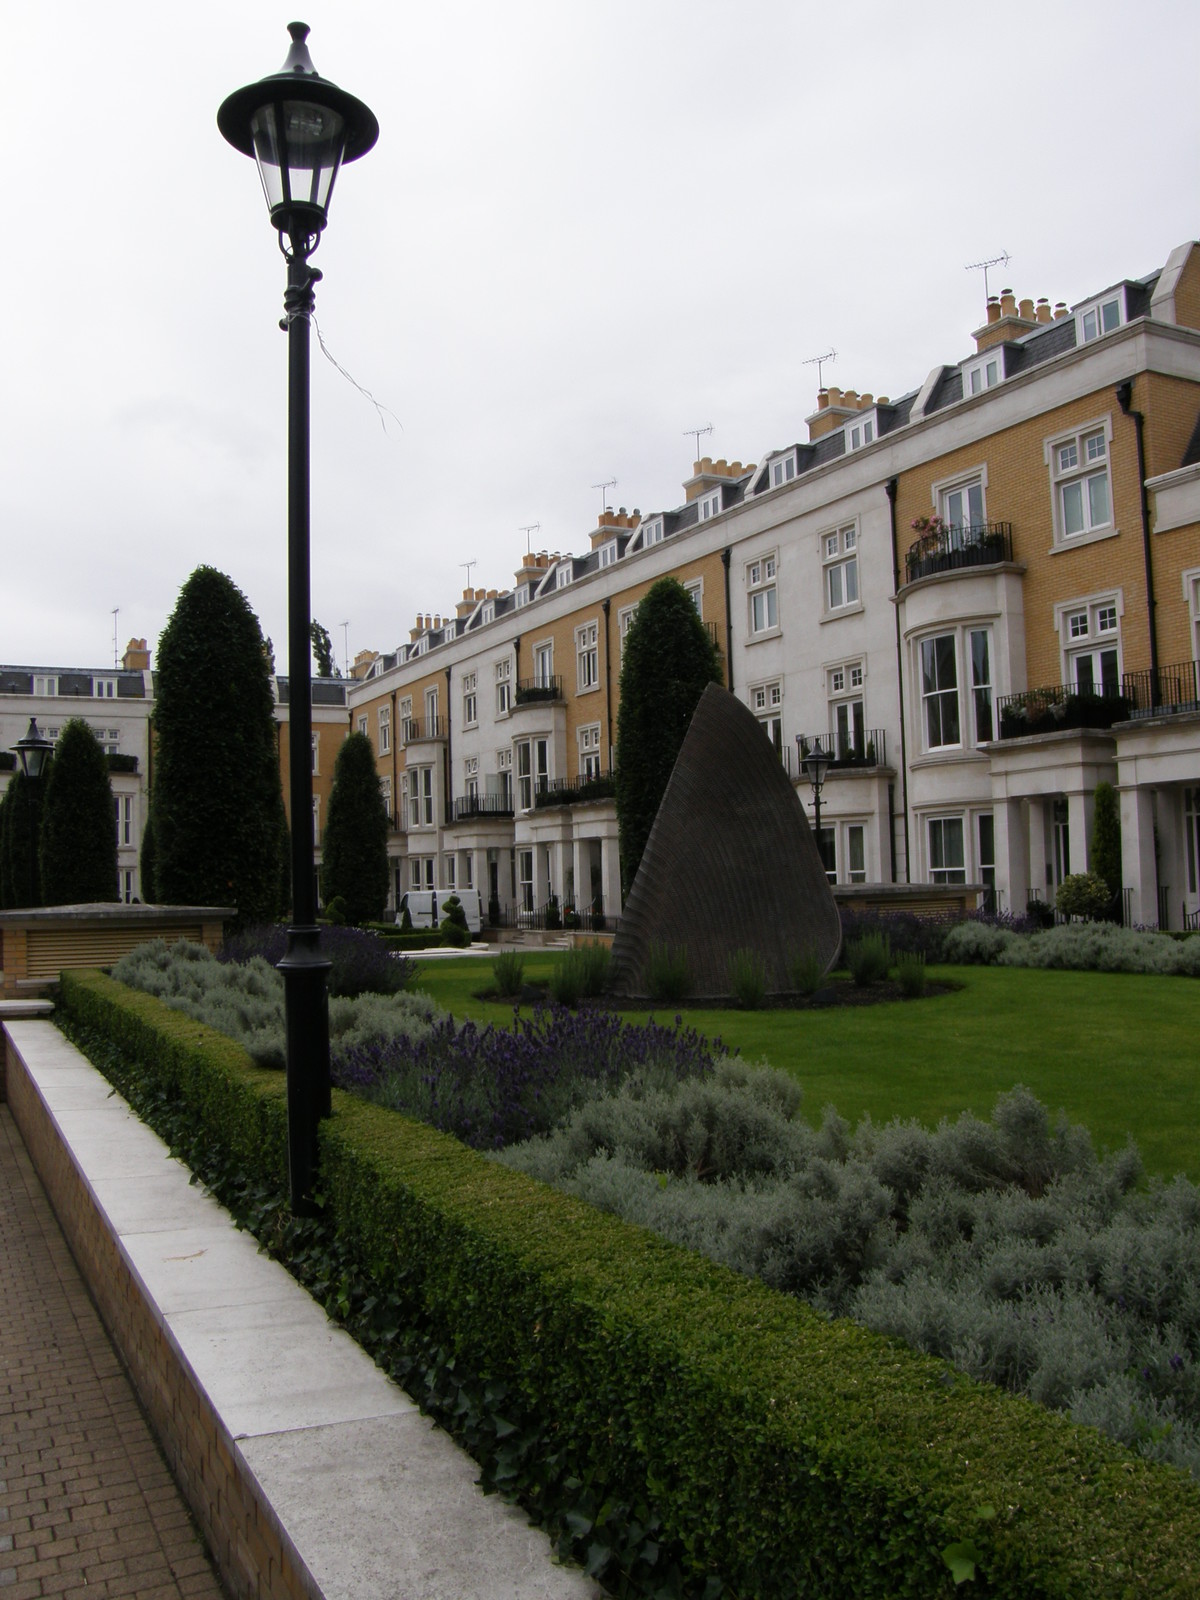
[217, 800]
[23, 808]
[669, 660]
[78, 846]
[354, 846]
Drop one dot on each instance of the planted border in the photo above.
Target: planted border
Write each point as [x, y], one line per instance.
[631, 1386]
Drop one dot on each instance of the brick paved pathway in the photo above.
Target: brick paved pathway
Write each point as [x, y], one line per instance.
[87, 1506]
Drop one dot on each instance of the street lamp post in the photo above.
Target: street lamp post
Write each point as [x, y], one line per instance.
[814, 764]
[34, 751]
[300, 128]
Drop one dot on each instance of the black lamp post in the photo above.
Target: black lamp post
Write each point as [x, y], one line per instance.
[814, 765]
[34, 751]
[299, 128]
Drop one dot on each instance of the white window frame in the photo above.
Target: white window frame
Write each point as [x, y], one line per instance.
[104, 688]
[845, 687]
[420, 797]
[694, 589]
[363, 724]
[861, 431]
[470, 693]
[1099, 317]
[762, 595]
[502, 674]
[316, 754]
[385, 729]
[839, 570]
[947, 872]
[982, 374]
[385, 786]
[1081, 472]
[488, 613]
[543, 663]
[123, 809]
[589, 750]
[652, 532]
[504, 775]
[587, 657]
[1191, 598]
[1090, 628]
[521, 597]
[766, 702]
[944, 490]
[45, 684]
[710, 504]
[431, 711]
[784, 469]
[562, 575]
[608, 554]
[941, 693]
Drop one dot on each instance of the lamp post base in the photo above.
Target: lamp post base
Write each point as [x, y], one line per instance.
[306, 1015]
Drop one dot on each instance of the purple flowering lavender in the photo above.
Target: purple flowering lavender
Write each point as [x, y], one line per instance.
[360, 962]
[495, 1086]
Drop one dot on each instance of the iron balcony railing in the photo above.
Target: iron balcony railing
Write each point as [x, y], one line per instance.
[467, 806]
[415, 729]
[1174, 688]
[1061, 707]
[866, 747]
[976, 544]
[532, 690]
[577, 791]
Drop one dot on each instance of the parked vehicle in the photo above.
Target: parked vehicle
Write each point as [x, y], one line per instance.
[426, 907]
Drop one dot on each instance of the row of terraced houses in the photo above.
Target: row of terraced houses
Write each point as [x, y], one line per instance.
[982, 598]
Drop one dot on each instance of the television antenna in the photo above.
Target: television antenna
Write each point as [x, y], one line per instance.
[609, 483]
[819, 362]
[345, 627]
[116, 611]
[530, 527]
[982, 266]
[474, 562]
[697, 434]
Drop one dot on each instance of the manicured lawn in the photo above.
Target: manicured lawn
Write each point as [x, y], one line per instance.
[1117, 1052]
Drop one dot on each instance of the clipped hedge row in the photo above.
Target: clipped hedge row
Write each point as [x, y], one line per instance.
[777, 1452]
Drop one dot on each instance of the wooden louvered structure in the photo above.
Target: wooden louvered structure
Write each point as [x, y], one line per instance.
[36, 945]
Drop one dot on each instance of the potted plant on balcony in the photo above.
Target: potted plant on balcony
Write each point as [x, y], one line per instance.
[930, 530]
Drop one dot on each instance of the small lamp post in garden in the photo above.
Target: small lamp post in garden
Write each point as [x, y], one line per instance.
[300, 128]
[34, 752]
[814, 764]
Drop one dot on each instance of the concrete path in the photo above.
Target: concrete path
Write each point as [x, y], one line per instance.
[87, 1506]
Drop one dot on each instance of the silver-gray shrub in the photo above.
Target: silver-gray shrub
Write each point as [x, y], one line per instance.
[244, 1001]
[976, 943]
[1104, 947]
[1006, 1246]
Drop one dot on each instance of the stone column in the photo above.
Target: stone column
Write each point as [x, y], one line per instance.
[1012, 854]
[1137, 853]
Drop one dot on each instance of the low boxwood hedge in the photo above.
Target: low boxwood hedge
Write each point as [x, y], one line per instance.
[692, 1431]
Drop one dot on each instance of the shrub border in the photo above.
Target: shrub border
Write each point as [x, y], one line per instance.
[778, 1453]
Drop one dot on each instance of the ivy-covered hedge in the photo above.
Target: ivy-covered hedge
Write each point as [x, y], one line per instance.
[631, 1385]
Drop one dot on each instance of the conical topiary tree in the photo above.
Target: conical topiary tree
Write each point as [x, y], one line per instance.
[669, 660]
[78, 843]
[21, 878]
[354, 844]
[1106, 837]
[218, 801]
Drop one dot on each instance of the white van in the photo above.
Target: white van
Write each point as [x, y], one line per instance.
[425, 907]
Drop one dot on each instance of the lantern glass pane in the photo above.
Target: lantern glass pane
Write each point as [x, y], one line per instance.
[298, 147]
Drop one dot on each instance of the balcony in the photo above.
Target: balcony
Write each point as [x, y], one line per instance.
[1168, 689]
[469, 806]
[533, 691]
[865, 747]
[576, 791]
[1063, 707]
[949, 547]
[415, 730]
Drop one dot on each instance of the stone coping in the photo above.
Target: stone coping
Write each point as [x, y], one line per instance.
[311, 1473]
[114, 911]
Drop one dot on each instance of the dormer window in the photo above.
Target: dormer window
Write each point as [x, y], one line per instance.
[562, 576]
[521, 598]
[608, 553]
[783, 469]
[710, 505]
[104, 688]
[488, 614]
[1100, 318]
[652, 532]
[45, 685]
[981, 375]
[861, 433]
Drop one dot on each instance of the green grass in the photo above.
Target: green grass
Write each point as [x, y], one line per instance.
[1117, 1052]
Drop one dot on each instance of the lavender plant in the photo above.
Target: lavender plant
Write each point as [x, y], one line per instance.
[360, 962]
[494, 1086]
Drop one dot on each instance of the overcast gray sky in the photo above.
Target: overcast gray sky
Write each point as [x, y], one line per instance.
[586, 227]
